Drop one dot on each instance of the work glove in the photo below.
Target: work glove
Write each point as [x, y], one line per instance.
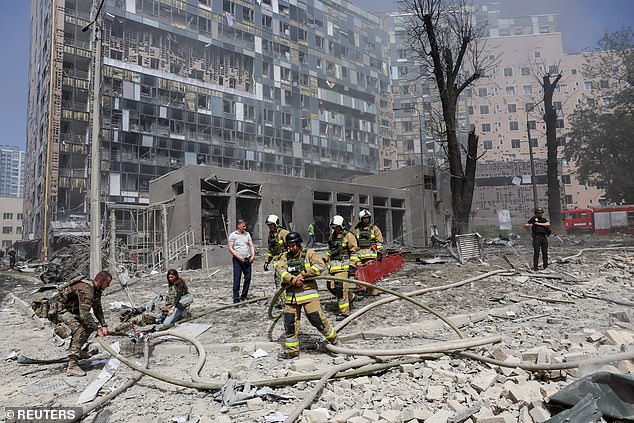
[266, 267]
[379, 256]
[351, 271]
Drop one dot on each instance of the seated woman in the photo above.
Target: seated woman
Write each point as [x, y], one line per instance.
[178, 299]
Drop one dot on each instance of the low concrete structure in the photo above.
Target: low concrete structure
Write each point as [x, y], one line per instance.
[209, 200]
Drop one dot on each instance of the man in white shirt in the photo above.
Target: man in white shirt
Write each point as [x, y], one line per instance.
[243, 252]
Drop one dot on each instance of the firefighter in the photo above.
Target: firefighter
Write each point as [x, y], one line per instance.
[78, 298]
[341, 258]
[294, 266]
[277, 246]
[370, 240]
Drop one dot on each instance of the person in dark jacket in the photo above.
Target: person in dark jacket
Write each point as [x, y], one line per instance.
[540, 229]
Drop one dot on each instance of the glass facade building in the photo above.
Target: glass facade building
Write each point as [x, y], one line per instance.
[297, 88]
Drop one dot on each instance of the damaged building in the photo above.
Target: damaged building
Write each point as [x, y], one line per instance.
[207, 201]
[288, 88]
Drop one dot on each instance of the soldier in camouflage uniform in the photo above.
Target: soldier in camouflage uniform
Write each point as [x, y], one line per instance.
[277, 246]
[78, 299]
[342, 260]
[294, 266]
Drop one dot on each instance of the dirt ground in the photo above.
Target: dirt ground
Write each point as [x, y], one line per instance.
[567, 313]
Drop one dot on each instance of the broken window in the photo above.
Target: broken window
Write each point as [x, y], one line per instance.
[344, 197]
[213, 184]
[321, 196]
[248, 190]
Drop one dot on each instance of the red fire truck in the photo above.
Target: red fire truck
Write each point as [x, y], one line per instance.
[599, 220]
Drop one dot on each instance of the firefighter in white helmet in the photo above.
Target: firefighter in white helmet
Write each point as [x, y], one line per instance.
[370, 240]
[341, 258]
[277, 246]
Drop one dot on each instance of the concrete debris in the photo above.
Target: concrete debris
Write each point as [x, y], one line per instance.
[241, 346]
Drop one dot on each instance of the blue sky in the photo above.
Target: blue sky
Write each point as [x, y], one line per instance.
[582, 23]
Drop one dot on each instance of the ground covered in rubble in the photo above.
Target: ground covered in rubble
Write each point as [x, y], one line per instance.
[565, 314]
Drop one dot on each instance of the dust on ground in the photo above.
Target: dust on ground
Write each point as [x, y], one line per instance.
[512, 306]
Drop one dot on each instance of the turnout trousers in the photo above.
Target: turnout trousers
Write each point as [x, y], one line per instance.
[342, 291]
[292, 315]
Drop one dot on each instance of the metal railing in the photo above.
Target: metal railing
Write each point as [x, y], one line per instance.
[176, 248]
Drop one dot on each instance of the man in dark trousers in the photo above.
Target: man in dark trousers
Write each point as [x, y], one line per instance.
[540, 228]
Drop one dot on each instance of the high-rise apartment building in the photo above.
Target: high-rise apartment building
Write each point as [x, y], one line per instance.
[503, 106]
[525, 49]
[289, 87]
[12, 171]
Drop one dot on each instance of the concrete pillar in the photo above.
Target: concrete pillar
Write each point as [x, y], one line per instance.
[164, 238]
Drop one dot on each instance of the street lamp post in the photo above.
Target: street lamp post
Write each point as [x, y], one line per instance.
[530, 153]
[422, 168]
[95, 156]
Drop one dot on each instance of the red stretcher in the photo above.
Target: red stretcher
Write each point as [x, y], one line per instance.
[375, 271]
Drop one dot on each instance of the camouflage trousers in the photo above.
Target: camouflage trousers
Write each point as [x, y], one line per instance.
[79, 333]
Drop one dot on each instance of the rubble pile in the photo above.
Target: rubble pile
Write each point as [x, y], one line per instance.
[576, 312]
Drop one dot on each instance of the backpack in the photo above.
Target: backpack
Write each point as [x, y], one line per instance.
[50, 300]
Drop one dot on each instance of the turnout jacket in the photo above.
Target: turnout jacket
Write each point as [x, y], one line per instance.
[369, 236]
[277, 244]
[308, 263]
[342, 251]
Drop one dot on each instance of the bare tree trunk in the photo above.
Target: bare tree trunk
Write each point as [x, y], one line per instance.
[462, 189]
[550, 117]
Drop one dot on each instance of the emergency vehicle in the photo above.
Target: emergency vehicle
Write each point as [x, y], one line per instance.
[599, 220]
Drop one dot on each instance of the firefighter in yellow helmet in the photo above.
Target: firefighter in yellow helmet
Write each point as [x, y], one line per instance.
[370, 240]
[341, 258]
[294, 266]
[277, 246]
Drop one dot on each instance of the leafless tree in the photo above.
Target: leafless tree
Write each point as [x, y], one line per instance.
[544, 78]
[444, 39]
[552, 172]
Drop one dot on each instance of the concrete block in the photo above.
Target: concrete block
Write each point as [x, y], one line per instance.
[526, 392]
[318, 415]
[507, 371]
[545, 356]
[484, 380]
[416, 414]
[221, 419]
[361, 382]
[345, 415]
[524, 416]
[358, 419]
[549, 389]
[539, 414]
[439, 417]
[302, 364]
[531, 355]
[619, 337]
[371, 415]
[435, 393]
[391, 416]
[407, 368]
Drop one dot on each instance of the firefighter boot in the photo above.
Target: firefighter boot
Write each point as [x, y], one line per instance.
[73, 368]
